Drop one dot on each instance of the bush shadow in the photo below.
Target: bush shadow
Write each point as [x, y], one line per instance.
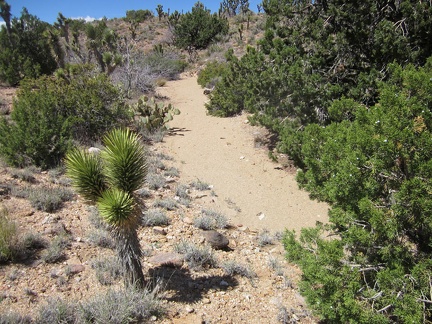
[181, 287]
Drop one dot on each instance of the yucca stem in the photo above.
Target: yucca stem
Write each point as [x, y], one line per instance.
[129, 253]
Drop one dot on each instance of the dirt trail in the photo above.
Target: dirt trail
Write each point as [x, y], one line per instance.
[220, 151]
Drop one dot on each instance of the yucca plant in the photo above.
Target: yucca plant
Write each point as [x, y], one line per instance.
[109, 180]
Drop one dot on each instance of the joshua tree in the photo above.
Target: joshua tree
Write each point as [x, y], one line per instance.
[109, 180]
[159, 10]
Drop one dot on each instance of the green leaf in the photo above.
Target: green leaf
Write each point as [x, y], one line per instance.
[116, 206]
[125, 160]
[86, 171]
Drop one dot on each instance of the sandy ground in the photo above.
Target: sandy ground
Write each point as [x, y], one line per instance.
[251, 189]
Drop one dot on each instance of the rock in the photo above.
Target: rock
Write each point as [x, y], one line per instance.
[224, 283]
[206, 301]
[187, 220]
[217, 240]
[159, 230]
[76, 268]
[243, 228]
[261, 216]
[189, 309]
[94, 150]
[169, 259]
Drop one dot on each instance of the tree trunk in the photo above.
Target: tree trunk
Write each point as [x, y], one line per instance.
[129, 252]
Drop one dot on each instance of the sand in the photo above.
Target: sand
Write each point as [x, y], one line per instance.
[250, 188]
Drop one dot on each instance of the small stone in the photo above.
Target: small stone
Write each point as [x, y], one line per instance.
[224, 283]
[217, 240]
[159, 230]
[170, 259]
[206, 301]
[94, 150]
[187, 220]
[78, 239]
[261, 216]
[76, 268]
[242, 157]
[232, 243]
[189, 309]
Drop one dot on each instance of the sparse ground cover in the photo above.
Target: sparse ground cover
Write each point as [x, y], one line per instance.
[63, 264]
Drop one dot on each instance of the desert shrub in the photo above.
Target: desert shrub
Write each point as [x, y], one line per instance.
[182, 194]
[121, 306]
[155, 217]
[233, 267]
[27, 244]
[265, 238]
[25, 174]
[139, 15]
[45, 199]
[49, 199]
[155, 181]
[275, 265]
[15, 318]
[140, 72]
[211, 74]
[101, 237]
[143, 193]
[55, 251]
[198, 28]
[107, 270]
[14, 245]
[182, 191]
[200, 185]
[197, 257]
[8, 236]
[164, 63]
[172, 172]
[57, 311]
[50, 112]
[210, 219]
[167, 203]
[155, 163]
[163, 156]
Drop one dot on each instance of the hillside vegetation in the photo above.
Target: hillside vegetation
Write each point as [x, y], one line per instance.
[345, 87]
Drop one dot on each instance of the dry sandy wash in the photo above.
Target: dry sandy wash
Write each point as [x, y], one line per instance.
[251, 189]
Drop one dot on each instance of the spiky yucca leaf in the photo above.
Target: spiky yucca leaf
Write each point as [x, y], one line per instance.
[116, 207]
[86, 173]
[124, 154]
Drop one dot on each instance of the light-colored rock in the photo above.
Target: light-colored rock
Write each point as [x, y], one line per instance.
[187, 220]
[169, 259]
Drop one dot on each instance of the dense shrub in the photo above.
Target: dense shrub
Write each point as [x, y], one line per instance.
[8, 235]
[211, 74]
[25, 48]
[375, 172]
[138, 15]
[50, 112]
[198, 28]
